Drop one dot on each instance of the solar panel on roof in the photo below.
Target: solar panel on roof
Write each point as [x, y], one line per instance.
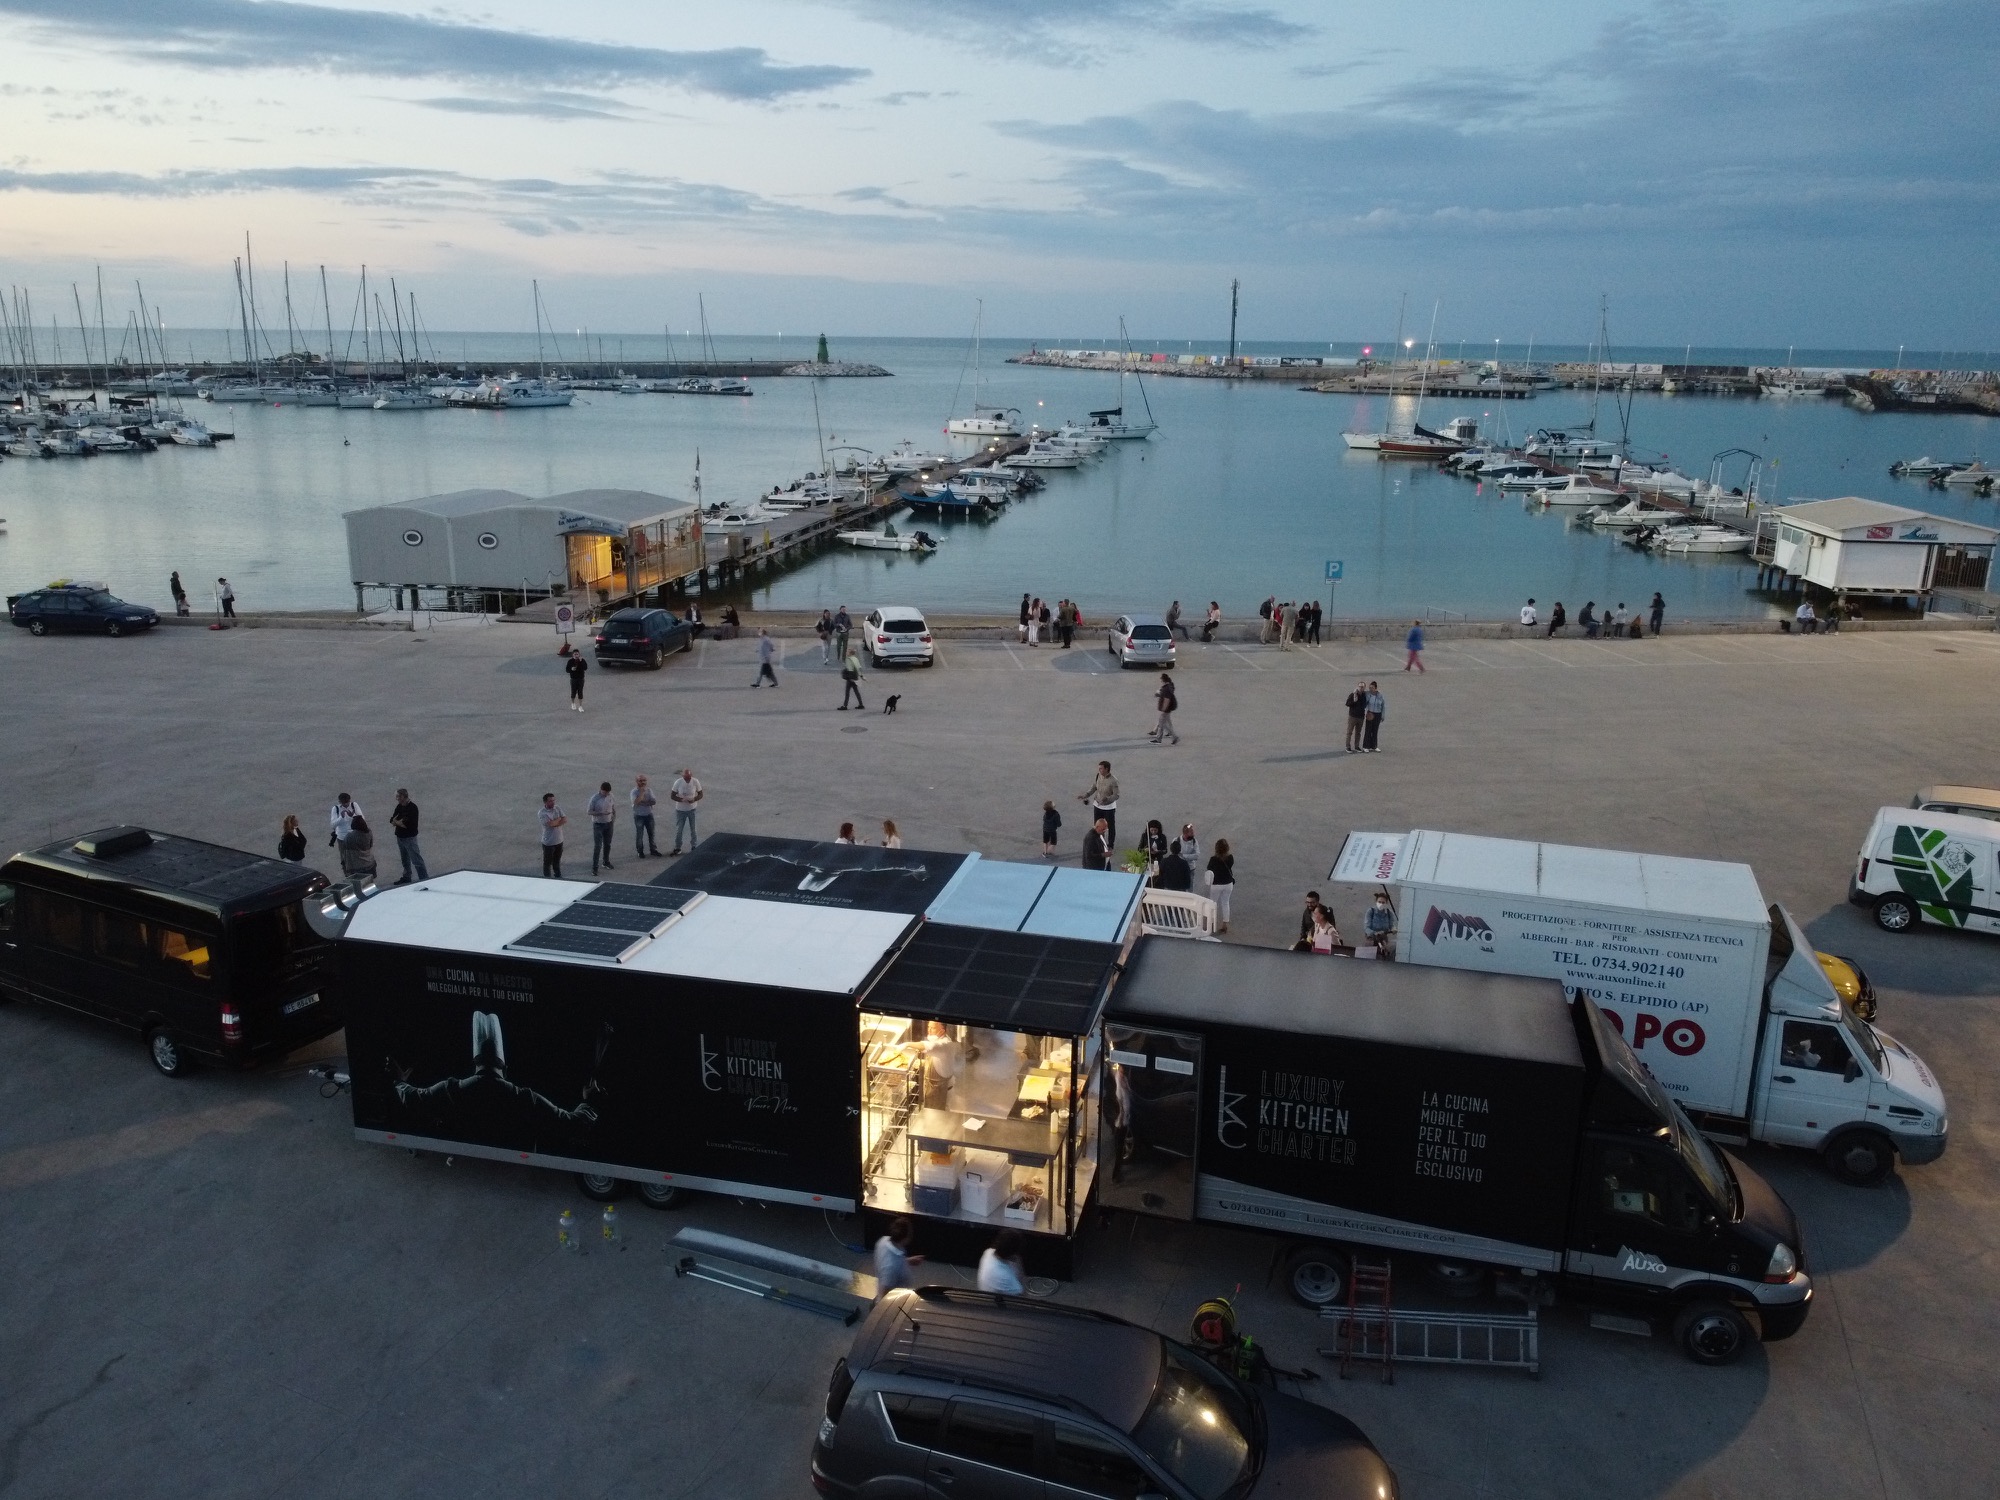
[660, 898]
[609, 918]
[581, 941]
[1004, 979]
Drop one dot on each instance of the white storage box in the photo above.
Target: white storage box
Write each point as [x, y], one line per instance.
[931, 1172]
[985, 1183]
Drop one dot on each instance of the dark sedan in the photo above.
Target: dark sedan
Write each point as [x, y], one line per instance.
[79, 607]
[642, 637]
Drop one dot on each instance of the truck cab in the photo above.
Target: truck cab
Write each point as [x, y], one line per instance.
[1830, 1082]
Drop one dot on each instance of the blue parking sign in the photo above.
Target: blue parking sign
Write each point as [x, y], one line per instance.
[1334, 569]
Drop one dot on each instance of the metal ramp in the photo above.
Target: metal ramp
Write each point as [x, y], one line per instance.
[1503, 1341]
[774, 1275]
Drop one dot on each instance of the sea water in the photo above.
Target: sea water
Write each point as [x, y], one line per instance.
[1246, 490]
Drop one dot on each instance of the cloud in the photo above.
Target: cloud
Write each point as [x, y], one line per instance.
[1072, 33]
[541, 107]
[243, 35]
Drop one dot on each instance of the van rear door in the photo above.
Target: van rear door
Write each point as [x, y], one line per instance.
[279, 969]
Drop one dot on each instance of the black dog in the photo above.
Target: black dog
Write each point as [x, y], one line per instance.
[890, 706]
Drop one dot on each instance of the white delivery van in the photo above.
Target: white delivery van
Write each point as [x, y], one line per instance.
[1923, 866]
[1718, 992]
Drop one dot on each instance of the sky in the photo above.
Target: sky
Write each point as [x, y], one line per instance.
[1762, 172]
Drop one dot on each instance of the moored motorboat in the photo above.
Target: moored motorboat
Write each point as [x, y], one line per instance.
[888, 539]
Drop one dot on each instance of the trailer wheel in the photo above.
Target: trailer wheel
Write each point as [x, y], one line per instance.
[661, 1195]
[1860, 1158]
[166, 1052]
[1458, 1279]
[601, 1189]
[1316, 1275]
[1895, 913]
[1713, 1333]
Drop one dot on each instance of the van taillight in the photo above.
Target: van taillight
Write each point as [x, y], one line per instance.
[232, 1022]
[1864, 868]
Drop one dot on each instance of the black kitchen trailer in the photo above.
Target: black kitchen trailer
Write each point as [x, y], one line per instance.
[1471, 1119]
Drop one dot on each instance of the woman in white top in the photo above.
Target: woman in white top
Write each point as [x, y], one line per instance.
[846, 834]
[890, 838]
[1000, 1265]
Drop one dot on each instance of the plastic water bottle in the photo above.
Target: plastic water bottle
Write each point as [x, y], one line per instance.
[611, 1236]
[566, 1232]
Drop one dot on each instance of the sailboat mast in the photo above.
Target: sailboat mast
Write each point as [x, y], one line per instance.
[326, 301]
[1424, 380]
[396, 304]
[541, 369]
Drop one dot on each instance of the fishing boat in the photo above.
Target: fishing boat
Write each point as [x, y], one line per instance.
[888, 539]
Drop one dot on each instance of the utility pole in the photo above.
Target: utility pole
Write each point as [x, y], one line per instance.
[1233, 285]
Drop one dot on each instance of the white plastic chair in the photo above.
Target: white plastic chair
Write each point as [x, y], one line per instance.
[1179, 914]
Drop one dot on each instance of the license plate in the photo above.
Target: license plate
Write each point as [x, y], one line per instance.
[905, 640]
[300, 1004]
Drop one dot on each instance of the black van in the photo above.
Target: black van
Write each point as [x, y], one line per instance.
[205, 951]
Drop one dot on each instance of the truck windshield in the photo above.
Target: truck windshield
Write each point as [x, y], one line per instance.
[1863, 1036]
[1702, 1159]
[1199, 1427]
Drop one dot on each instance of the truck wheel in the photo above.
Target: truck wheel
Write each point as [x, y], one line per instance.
[1712, 1333]
[1860, 1158]
[1458, 1279]
[660, 1195]
[166, 1052]
[601, 1189]
[1895, 914]
[1316, 1275]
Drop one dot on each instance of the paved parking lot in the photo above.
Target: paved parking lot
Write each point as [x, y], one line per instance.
[214, 1291]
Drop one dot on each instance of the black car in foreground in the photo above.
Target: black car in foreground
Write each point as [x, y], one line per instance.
[79, 607]
[948, 1392]
[641, 637]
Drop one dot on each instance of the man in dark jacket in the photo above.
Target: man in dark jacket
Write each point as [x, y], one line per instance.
[1174, 872]
[1357, 711]
[1097, 846]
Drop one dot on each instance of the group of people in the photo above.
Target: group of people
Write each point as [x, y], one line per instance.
[1366, 707]
[1319, 933]
[225, 596]
[892, 837]
[348, 832]
[1286, 622]
[1000, 1266]
[684, 795]
[1171, 864]
[1613, 623]
[1058, 622]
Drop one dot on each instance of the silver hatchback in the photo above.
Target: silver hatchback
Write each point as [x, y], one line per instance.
[1143, 640]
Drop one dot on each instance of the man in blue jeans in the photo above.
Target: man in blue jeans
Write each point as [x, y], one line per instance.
[684, 793]
[603, 816]
[643, 803]
[404, 821]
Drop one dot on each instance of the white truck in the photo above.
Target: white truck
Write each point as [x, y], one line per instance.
[1718, 992]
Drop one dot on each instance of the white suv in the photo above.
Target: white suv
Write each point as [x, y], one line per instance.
[896, 632]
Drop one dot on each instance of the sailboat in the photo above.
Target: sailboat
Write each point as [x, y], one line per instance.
[1419, 441]
[1110, 422]
[984, 421]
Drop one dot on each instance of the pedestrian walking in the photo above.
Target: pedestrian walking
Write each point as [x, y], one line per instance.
[1097, 847]
[1221, 873]
[603, 810]
[892, 837]
[1026, 609]
[644, 801]
[1528, 615]
[340, 817]
[1557, 619]
[357, 851]
[1371, 724]
[1051, 825]
[1588, 620]
[824, 630]
[1103, 798]
[1166, 702]
[292, 841]
[1413, 644]
[1211, 623]
[227, 597]
[1658, 611]
[1357, 713]
[1174, 625]
[893, 1259]
[684, 792]
[843, 626]
[403, 819]
[850, 676]
[577, 666]
[552, 821]
[1000, 1265]
[767, 649]
[180, 594]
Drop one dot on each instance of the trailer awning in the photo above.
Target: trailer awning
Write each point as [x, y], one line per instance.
[1015, 981]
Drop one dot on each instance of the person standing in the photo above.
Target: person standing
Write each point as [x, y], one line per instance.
[1357, 713]
[340, 817]
[227, 596]
[292, 841]
[1379, 926]
[1165, 701]
[846, 834]
[643, 802]
[824, 630]
[1413, 643]
[1371, 724]
[1557, 619]
[552, 821]
[1043, 617]
[1618, 622]
[892, 837]
[1066, 622]
[850, 676]
[1281, 622]
[1306, 922]
[1051, 825]
[1097, 847]
[577, 665]
[1528, 616]
[1221, 882]
[357, 851]
[1174, 626]
[1103, 799]
[603, 812]
[843, 627]
[1212, 623]
[1176, 874]
[1312, 624]
[403, 819]
[685, 792]
[180, 594]
[1190, 846]
[1026, 609]
[893, 1259]
[766, 650]
[1658, 611]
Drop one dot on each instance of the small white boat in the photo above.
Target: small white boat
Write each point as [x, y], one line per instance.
[1111, 423]
[105, 440]
[1791, 390]
[1044, 456]
[187, 434]
[405, 398]
[1700, 539]
[1574, 489]
[237, 390]
[989, 423]
[1630, 516]
[888, 539]
[1973, 474]
[1923, 468]
[740, 517]
[1532, 478]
